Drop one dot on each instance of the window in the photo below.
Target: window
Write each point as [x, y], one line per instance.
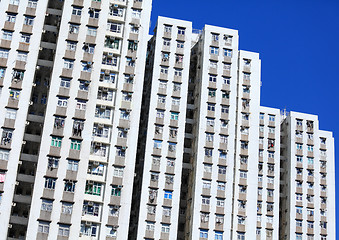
[14, 2]
[93, 188]
[210, 107]
[205, 200]
[116, 11]
[154, 176]
[177, 72]
[71, 46]
[167, 29]
[227, 66]
[132, 45]
[72, 165]
[221, 186]
[63, 230]
[89, 48]
[94, 13]
[7, 35]
[136, 13]
[118, 171]
[203, 233]
[176, 87]
[213, 64]
[299, 210]
[4, 154]
[243, 174]
[166, 211]
[174, 116]
[228, 39]
[32, 3]
[222, 154]
[180, 44]
[29, 20]
[47, 205]
[68, 64]
[170, 162]
[116, 190]
[108, 78]
[157, 144]
[92, 208]
[215, 37]
[224, 109]
[56, 141]
[75, 144]
[299, 146]
[214, 50]
[221, 169]
[168, 194]
[165, 228]
[90, 230]
[150, 226]
[310, 148]
[299, 122]
[181, 31]
[220, 202]
[247, 76]
[66, 208]
[2, 72]
[271, 118]
[164, 70]
[76, 11]
[69, 186]
[81, 105]
[212, 78]
[11, 17]
[65, 82]
[218, 235]
[50, 183]
[10, 113]
[227, 80]
[240, 236]
[53, 162]
[4, 53]
[114, 27]
[43, 227]
[227, 52]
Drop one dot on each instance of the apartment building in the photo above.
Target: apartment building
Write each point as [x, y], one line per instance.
[110, 133]
[161, 153]
[307, 190]
[268, 174]
[81, 85]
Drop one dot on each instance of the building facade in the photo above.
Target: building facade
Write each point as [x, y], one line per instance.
[110, 133]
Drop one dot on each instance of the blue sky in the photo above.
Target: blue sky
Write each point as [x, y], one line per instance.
[298, 45]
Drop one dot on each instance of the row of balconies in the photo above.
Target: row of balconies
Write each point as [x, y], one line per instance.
[269, 135]
[270, 123]
[225, 87]
[225, 59]
[301, 128]
[214, 71]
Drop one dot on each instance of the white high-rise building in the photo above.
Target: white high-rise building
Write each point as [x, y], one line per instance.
[74, 92]
[110, 133]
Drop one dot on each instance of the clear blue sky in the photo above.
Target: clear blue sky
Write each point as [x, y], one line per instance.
[298, 42]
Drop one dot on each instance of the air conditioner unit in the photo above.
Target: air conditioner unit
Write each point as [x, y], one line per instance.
[131, 76]
[103, 107]
[96, 163]
[100, 125]
[105, 89]
[90, 203]
[107, 71]
[112, 38]
[126, 129]
[90, 182]
[128, 110]
[116, 5]
[13, 204]
[87, 223]
[10, 226]
[110, 54]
